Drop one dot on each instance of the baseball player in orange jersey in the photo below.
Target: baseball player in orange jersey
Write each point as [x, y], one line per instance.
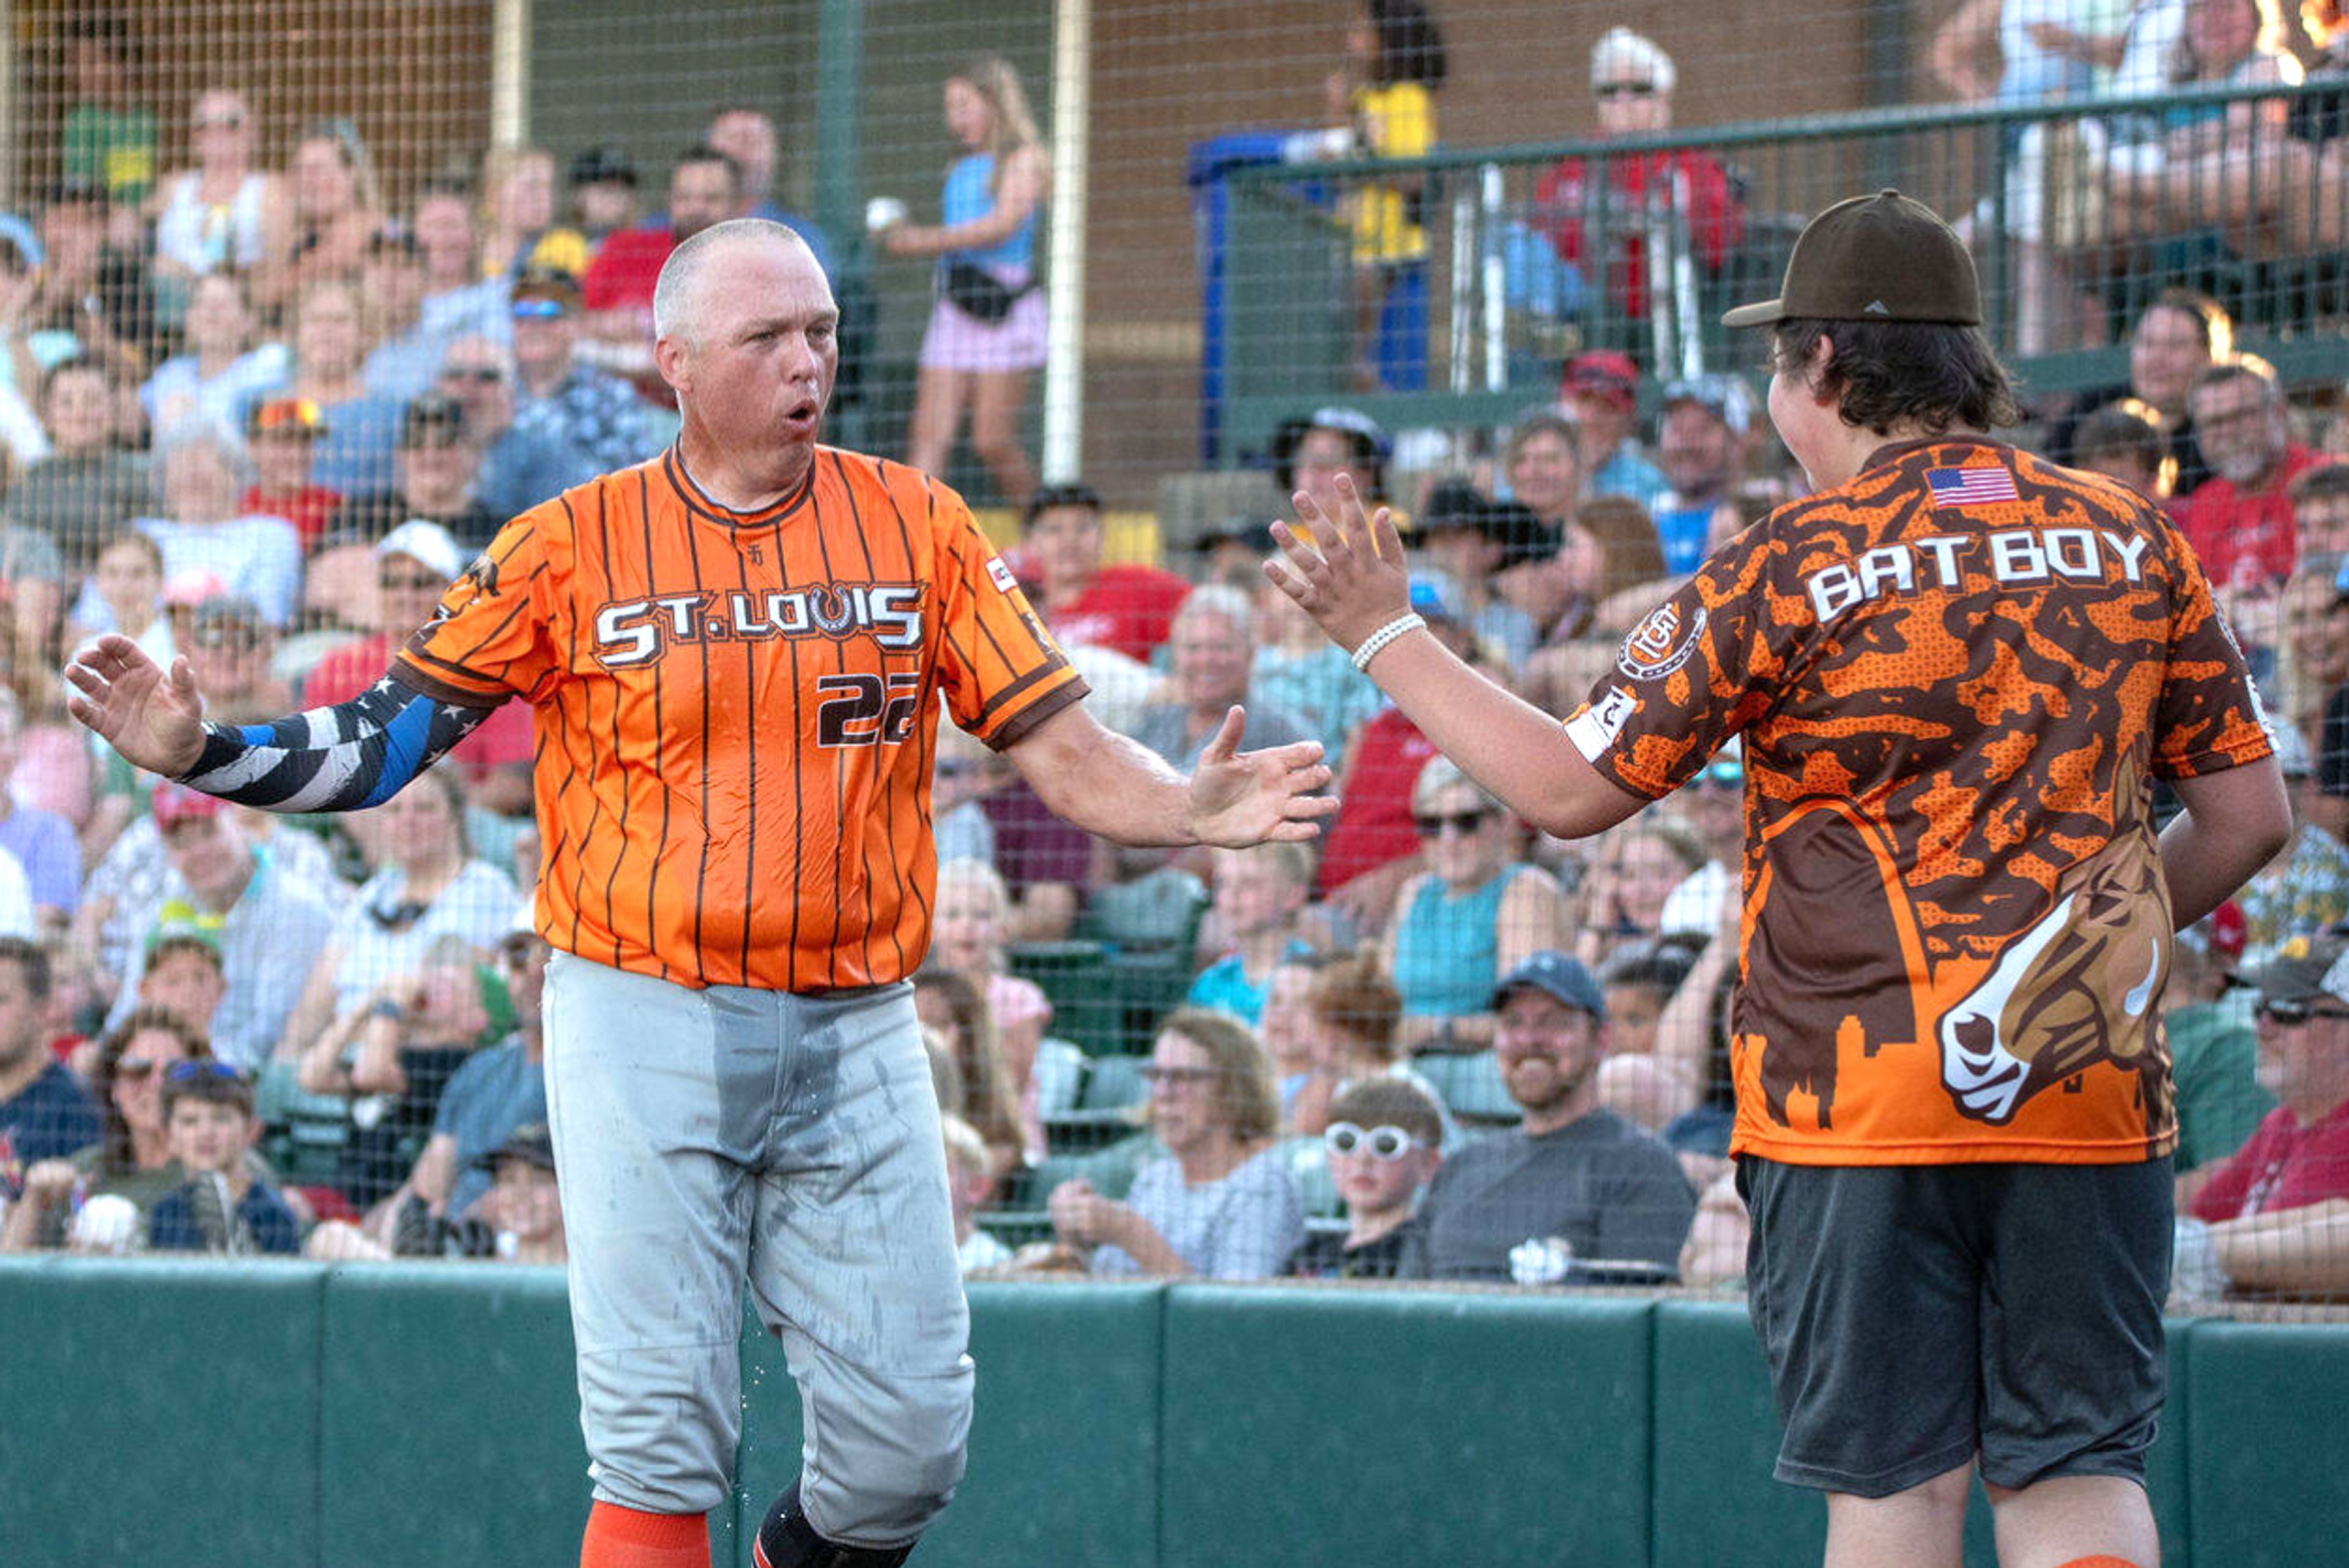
[735, 655]
[1956, 670]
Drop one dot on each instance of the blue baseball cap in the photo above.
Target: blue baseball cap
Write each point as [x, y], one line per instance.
[1555, 975]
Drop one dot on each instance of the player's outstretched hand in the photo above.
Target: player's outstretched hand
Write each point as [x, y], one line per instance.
[155, 720]
[1239, 798]
[1347, 571]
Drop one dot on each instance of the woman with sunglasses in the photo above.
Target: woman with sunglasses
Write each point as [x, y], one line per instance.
[1220, 1202]
[222, 215]
[132, 1158]
[1475, 913]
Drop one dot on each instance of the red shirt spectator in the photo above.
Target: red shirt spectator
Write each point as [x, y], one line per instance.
[1716, 220]
[1374, 826]
[2239, 533]
[1128, 607]
[626, 265]
[2287, 1164]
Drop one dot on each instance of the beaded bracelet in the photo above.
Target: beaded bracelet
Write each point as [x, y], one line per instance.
[1384, 634]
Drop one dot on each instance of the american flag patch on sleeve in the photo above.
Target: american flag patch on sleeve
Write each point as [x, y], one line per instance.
[1970, 486]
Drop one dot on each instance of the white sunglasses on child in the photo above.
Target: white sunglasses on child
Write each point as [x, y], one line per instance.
[1383, 1143]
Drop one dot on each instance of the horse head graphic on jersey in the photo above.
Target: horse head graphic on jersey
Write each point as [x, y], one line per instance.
[2078, 987]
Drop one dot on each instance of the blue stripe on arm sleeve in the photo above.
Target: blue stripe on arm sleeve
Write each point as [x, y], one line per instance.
[344, 758]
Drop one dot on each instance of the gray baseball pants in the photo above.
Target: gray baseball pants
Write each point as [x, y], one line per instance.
[704, 1138]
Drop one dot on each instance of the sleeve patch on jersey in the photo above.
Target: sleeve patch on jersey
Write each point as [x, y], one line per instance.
[1595, 730]
[1000, 575]
[1660, 643]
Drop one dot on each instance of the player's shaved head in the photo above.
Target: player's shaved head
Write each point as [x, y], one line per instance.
[679, 295]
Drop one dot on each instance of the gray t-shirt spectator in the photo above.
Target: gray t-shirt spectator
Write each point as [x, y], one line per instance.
[1165, 728]
[80, 501]
[1609, 1189]
[1241, 1228]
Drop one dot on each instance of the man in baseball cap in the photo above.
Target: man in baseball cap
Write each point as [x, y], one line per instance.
[1602, 389]
[1573, 1178]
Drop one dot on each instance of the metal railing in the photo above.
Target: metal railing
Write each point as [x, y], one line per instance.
[2079, 211]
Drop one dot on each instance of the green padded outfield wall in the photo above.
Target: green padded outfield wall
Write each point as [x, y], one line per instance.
[289, 1416]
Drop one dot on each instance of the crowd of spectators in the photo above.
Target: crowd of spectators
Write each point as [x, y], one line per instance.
[264, 419]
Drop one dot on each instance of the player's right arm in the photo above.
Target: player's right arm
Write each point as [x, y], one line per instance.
[340, 758]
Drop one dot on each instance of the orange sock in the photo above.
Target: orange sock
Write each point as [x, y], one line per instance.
[2102, 1560]
[625, 1538]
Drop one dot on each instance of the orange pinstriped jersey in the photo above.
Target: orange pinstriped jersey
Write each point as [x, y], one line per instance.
[736, 712]
[1956, 678]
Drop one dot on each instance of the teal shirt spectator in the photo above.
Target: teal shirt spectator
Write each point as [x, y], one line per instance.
[1321, 688]
[969, 196]
[1446, 953]
[1225, 984]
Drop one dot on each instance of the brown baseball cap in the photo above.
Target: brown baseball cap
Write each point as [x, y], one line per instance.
[1874, 258]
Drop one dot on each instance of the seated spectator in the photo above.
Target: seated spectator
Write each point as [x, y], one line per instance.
[601, 182]
[1638, 865]
[970, 1182]
[282, 435]
[2180, 333]
[559, 398]
[1374, 846]
[2209, 1020]
[44, 1114]
[2278, 1211]
[209, 1128]
[231, 645]
[356, 428]
[1298, 669]
[1631, 83]
[1607, 572]
[1311, 451]
[1258, 894]
[1128, 607]
[1543, 464]
[203, 470]
[87, 486]
[1602, 390]
[1478, 912]
[1220, 1202]
[266, 923]
[2125, 440]
[32, 589]
[1701, 442]
[2320, 515]
[96, 298]
[132, 1158]
[705, 187]
[127, 586]
[496, 1092]
[1469, 537]
[41, 842]
[521, 464]
[1596, 1196]
[524, 1205]
[2240, 523]
[182, 974]
[1352, 1026]
[2305, 890]
[1718, 1233]
[220, 374]
[338, 208]
[1385, 1142]
[1212, 642]
[1711, 807]
[2208, 169]
[223, 216]
[518, 228]
[454, 299]
[436, 476]
[427, 885]
[966, 934]
[1287, 1031]
[1046, 864]
[1638, 1081]
[396, 1056]
[747, 136]
[950, 1002]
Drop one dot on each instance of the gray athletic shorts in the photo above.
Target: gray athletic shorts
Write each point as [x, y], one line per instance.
[704, 1138]
[1916, 1316]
